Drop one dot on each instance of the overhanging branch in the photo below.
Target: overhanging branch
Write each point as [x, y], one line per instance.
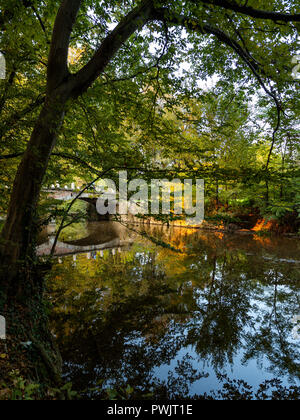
[10, 123]
[204, 28]
[250, 11]
[256, 69]
[62, 155]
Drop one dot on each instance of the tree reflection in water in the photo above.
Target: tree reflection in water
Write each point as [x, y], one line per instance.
[215, 307]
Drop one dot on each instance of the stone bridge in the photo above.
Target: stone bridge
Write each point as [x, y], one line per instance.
[89, 197]
[67, 195]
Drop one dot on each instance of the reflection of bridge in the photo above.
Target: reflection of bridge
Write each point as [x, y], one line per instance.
[90, 255]
[100, 237]
[64, 249]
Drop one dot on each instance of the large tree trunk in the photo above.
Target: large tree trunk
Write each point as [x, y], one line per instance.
[18, 235]
[21, 282]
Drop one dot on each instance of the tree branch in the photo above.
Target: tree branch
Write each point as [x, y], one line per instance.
[15, 118]
[193, 25]
[11, 156]
[62, 155]
[250, 11]
[77, 160]
[39, 19]
[136, 19]
[62, 225]
[58, 57]
[204, 28]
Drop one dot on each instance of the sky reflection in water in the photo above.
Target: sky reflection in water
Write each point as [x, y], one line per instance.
[157, 319]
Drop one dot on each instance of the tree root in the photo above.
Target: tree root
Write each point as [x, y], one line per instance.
[54, 363]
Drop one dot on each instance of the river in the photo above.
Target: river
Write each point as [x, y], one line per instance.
[174, 312]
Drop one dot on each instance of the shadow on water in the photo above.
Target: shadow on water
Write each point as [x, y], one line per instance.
[170, 323]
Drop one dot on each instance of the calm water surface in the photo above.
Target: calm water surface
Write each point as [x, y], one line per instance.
[174, 321]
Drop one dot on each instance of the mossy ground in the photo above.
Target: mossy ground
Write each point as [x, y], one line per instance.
[29, 347]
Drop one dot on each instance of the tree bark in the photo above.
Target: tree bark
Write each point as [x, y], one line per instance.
[18, 235]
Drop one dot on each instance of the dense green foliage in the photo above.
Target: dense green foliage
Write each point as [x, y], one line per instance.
[163, 88]
[151, 109]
